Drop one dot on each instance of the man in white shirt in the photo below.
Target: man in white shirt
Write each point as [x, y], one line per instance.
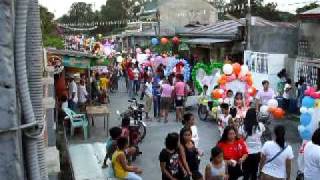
[264, 95]
[73, 94]
[312, 158]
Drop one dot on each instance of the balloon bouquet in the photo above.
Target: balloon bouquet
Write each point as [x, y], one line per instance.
[236, 78]
[309, 120]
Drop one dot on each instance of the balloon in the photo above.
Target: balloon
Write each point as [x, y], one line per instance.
[308, 102]
[154, 41]
[164, 41]
[244, 70]
[306, 134]
[252, 91]
[216, 94]
[227, 69]
[249, 80]
[272, 103]
[138, 50]
[272, 109]
[303, 110]
[264, 109]
[175, 40]
[305, 119]
[236, 68]
[278, 113]
[310, 110]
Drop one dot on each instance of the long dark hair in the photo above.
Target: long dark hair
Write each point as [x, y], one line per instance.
[316, 137]
[280, 133]
[184, 130]
[224, 137]
[250, 122]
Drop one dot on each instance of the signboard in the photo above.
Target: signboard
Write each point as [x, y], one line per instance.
[76, 62]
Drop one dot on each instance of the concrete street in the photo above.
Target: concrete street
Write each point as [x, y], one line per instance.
[156, 132]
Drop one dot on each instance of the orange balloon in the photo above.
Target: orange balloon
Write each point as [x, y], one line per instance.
[164, 40]
[216, 94]
[223, 77]
[272, 109]
[278, 113]
[236, 68]
[249, 80]
[222, 81]
[252, 91]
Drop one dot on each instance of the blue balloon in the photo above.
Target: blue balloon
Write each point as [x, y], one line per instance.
[154, 41]
[308, 102]
[305, 119]
[306, 134]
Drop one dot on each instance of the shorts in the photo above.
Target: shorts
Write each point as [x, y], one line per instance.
[148, 104]
[165, 103]
[179, 102]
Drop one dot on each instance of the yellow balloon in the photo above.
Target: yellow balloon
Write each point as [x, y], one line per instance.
[317, 103]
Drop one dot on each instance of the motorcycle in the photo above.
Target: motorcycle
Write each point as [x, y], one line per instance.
[205, 109]
[137, 128]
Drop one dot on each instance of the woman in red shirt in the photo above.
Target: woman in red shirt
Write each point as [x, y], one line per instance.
[234, 150]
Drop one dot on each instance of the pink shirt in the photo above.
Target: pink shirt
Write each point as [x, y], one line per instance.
[265, 96]
[180, 88]
[166, 90]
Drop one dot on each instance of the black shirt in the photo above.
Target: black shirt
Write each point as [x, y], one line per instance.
[172, 163]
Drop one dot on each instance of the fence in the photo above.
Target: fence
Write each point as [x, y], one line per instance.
[309, 69]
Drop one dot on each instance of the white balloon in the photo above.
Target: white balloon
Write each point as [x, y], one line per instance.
[301, 128]
[272, 103]
[303, 110]
[227, 69]
[244, 70]
[310, 110]
[220, 100]
[264, 109]
[221, 91]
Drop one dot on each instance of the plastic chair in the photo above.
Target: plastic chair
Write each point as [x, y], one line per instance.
[76, 121]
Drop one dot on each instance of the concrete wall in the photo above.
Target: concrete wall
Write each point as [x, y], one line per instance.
[178, 13]
[10, 155]
[309, 30]
[274, 40]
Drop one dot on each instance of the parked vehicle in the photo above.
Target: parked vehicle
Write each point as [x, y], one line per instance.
[137, 128]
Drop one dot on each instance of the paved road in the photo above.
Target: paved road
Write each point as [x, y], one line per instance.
[156, 132]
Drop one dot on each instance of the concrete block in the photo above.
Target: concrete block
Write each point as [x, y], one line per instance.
[53, 160]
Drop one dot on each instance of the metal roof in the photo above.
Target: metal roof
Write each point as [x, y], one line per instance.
[206, 41]
[70, 53]
[313, 11]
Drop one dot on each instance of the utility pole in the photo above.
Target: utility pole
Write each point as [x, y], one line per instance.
[249, 19]
[10, 152]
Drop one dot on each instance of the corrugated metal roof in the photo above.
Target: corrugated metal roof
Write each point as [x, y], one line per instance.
[313, 11]
[222, 27]
[70, 53]
[206, 41]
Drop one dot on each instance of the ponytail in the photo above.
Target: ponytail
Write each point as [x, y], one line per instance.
[280, 132]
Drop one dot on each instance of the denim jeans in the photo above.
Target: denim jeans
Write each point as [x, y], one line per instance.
[130, 89]
[133, 176]
[156, 106]
[136, 86]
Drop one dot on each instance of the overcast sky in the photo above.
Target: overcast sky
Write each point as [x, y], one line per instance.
[60, 7]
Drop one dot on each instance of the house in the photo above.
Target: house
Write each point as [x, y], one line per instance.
[308, 59]
[164, 18]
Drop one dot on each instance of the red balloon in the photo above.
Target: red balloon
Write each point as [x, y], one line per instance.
[164, 40]
[278, 113]
[175, 40]
[236, 68]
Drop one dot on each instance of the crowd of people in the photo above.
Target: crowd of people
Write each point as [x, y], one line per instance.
[240, 152]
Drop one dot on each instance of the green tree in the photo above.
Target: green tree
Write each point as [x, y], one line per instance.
[307, 7]
[81, 12]
[268, 11]
[50, 36]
